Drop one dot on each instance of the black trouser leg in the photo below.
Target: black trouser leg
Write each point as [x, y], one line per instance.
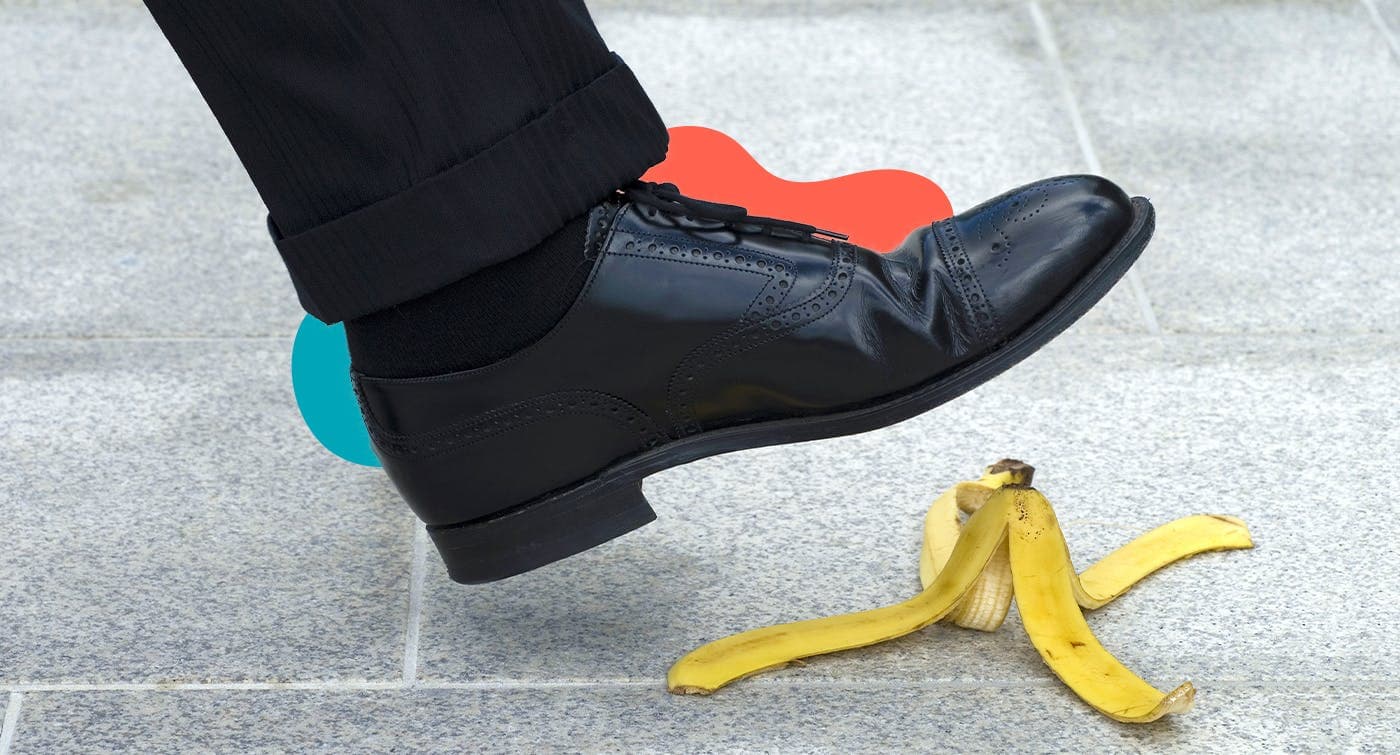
[401, 145]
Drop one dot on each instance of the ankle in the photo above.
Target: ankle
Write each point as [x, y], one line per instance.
[480, 319]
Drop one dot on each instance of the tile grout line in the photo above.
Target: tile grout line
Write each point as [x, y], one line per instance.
[346, 686]
[506, 685]
[7, 729]
[175, 337]
[327, 686]
[1046, 37]
[1383, 27]
[415, 603]
[1184, 334]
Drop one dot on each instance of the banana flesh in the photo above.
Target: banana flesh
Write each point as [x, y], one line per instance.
[1010, 546]
[985, 606]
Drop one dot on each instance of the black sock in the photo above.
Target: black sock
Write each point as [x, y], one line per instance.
[478, 320]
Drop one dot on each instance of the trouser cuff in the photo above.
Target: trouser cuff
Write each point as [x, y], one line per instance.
[497, 204]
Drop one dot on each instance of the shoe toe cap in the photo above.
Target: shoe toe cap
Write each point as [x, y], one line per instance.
[1028, 247]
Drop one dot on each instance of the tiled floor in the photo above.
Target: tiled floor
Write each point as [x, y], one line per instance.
[183, 568]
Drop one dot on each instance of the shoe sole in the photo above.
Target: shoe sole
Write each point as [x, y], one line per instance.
[611, 503]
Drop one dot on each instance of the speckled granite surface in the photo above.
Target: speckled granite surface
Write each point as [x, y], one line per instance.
[184, 569]
[1263, 132]
[167, 518]
[797, 718]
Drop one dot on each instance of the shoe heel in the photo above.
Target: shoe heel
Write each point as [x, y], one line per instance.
[541, 532]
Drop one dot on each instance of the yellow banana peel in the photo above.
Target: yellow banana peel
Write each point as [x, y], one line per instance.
[1010, 546]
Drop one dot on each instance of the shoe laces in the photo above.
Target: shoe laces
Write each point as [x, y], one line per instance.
[665, 197]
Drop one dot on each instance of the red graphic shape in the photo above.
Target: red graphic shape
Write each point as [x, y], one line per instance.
[876, 208]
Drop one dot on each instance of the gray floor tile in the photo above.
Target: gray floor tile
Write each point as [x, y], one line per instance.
[784, 8]
[127, 213]
[1389, 11]
[635, 719]
[6, 725]
[167, 517]
[1265, 133]
[1128, 432]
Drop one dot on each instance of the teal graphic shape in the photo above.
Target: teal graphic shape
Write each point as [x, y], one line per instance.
[321, 383]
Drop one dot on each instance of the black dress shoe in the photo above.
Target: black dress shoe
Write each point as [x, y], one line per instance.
[703, 330]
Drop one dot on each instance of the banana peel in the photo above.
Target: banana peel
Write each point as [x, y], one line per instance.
[1010, 546]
